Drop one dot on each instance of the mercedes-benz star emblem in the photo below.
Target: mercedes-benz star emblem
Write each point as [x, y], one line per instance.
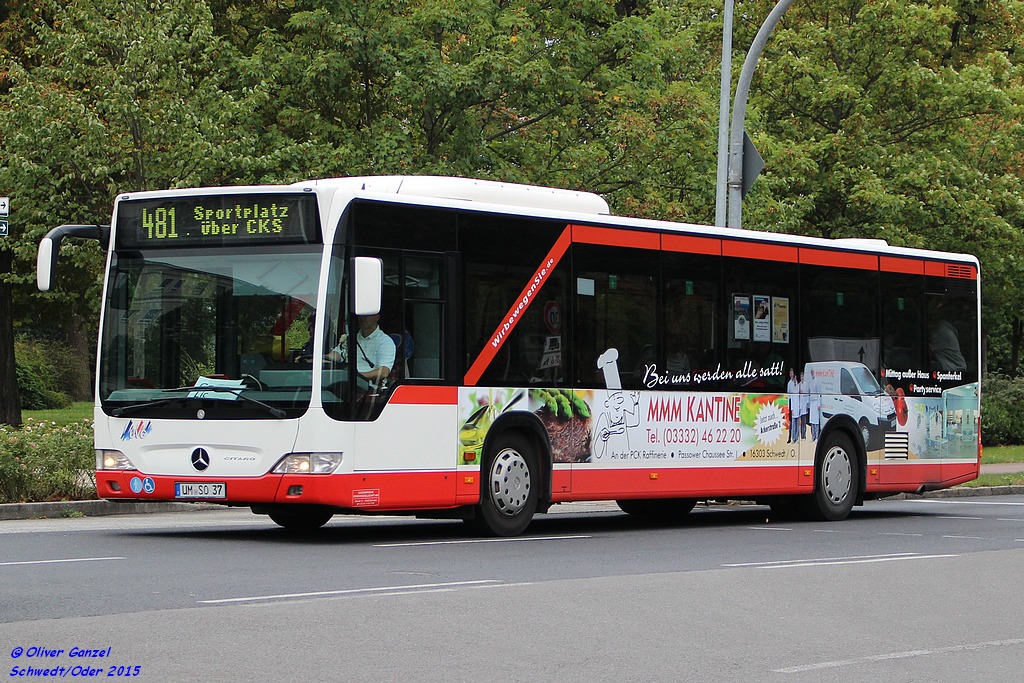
[200, 459]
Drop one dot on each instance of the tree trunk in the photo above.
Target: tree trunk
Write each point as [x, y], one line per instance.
[10, 399]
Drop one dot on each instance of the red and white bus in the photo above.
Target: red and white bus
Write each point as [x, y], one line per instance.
[545, 352]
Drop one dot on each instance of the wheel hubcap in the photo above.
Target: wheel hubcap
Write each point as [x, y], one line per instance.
[836, 474]
[510, 482]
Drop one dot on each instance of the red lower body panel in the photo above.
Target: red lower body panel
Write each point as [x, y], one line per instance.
[402, 491]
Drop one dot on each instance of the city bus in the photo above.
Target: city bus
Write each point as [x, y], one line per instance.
[544, 351]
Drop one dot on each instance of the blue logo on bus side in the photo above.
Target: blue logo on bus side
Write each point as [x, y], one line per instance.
[136, 485]
[137, 431]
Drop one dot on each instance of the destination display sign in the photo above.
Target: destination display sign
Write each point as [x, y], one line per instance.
[218, 220]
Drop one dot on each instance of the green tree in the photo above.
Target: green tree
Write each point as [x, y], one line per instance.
[914, 138]
[109, 97]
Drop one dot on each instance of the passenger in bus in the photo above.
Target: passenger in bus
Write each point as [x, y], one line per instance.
[375, 351]
[944, 347]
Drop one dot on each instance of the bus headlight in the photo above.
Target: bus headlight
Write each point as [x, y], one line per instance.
[308, 463]
[113, 460]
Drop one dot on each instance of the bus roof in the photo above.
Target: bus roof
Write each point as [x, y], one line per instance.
[546, 202]
[473, 190]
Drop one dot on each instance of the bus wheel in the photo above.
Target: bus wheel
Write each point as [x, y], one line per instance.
[510, 488]
[668, 509]
[301, 520]
[836, 480]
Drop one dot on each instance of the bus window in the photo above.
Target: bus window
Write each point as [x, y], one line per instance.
[691, 308]
[952, 326]
[903, 321]
[761, 324]
[616, 308]
[840, 315]
[500, 258]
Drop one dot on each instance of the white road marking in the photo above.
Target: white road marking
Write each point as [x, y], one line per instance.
[815, 559]
[388, 590]
[968, 538]
[943, 501]
[466, 541]
[69, 559]
[831, 561]
[865, 561]
[839, 663]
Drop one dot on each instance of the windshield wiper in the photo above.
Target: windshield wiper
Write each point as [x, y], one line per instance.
[237, 391]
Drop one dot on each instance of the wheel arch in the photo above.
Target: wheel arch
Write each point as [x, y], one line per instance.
[528, 425]
[851, 429]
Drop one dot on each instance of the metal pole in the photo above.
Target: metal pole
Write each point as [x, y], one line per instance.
[723, 116]
[739, 113]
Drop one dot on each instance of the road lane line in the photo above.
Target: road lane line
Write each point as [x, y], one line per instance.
[941, 501]
[818, 559]
[414, 588]
[865, 561]
[467, 541]
[968, 538]
[839, 663]
[69, 559]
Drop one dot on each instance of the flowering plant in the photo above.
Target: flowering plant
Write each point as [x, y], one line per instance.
[43, 460]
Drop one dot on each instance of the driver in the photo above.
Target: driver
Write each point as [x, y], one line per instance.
[375, 350]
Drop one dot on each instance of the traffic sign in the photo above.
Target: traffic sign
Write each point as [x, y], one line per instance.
[5, 205]
[3, 228]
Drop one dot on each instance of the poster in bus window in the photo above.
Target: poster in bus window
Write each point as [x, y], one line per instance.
[780, 319]
[762, 318]
[741, 317]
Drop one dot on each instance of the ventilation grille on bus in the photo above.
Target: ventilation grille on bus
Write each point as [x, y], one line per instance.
[957, 270]
[897, 445]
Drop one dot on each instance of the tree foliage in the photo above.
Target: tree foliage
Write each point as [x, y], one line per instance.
[876, 118]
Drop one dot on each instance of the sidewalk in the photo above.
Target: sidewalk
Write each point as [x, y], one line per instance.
[1003, 468]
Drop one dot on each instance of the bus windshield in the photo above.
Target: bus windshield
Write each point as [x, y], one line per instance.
[240, 321]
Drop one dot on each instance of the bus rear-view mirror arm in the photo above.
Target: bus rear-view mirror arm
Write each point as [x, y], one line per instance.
[49, 249]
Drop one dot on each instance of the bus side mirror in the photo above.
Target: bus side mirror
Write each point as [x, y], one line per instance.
[367, 285]
[49, 249]
[46, 261]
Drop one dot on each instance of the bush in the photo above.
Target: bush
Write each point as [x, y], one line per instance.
[1002, 410]
[44, 461]
[39, 366]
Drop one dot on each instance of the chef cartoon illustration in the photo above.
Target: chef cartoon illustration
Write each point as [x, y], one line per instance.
[621, 412]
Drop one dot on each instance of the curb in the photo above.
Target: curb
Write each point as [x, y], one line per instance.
[93, 508]
[103, 508]
[962, 492]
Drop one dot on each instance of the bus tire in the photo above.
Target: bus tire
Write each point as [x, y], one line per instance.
[667, 509]
[510, 487]
[301, 520]
[836, 479]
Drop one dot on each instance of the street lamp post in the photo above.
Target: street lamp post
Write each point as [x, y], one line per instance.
[739, 113]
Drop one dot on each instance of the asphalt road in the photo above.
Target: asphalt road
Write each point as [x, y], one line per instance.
[907, 590]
